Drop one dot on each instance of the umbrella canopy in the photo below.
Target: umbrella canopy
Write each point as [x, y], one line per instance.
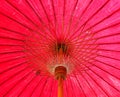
[65, 47]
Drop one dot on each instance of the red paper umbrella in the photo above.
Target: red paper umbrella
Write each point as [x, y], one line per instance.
[59, 48]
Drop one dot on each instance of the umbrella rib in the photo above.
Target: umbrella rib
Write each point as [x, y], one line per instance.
[72, 87]
[104, 27]
[34, 11]
[108, 50]
[55, 19]
[86, 53]
[101, 49]
[105, 71]
[97, 84]
[103, 19]
[103, 79]
[12, 59]
[81, 16]
[52, 4]
[43, 86]
[69, 86]
[34, 53]
[71, 18]
[66, 89]
[25, 26]
[44, 11]
[28, 83]
[80, 86]
[84, 11]
[113, 43]
[10, 52]
[13, 67]
[11, 38]
[106, 36]
[98, 68]
[36, 87]
[108, 57]
[88, 83]
[6, 29]
[13, 75]
[38, 17]
[63, 17]
[113, 25]
[11, 45]
[17, 83]
[107, 64]
[64, 8]
[91, 17]
[21, 12]
[51, 88]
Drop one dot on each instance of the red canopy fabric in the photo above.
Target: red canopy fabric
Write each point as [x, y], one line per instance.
[30, 30]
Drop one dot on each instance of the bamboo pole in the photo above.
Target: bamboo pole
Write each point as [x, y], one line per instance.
[60, 87]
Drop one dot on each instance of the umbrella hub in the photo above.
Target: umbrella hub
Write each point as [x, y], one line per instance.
[60, 72]
[61, 48]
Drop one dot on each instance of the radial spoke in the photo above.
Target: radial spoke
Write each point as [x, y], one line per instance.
[14, 75]
[28, 83]
[22, 78]
[21, 12]
[108, 57]
[6, 29]
[6, 70]
[80, 86]
[84, 24]
[88, 83]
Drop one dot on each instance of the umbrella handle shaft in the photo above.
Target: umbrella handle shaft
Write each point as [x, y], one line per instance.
[60, 87]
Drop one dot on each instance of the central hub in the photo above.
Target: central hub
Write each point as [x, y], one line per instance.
[61, 48]
[60, 72]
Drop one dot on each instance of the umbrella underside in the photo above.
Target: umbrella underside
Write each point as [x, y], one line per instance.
[69, 48]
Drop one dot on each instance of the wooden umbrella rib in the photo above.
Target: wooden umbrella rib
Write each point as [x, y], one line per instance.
[11, 52]
[98, 84]
[71, 19]
[43, 87]
[13, 75]
[105, 71]
[21, 12]
[51, 88]
[28, 83]
[74, 95]
[6, 70]
[53, 8]
[80, 86]
[22, 78]
[85, 9]
[44, 11]
[11, 38]
[88, 83]
[16, 21]
[104, 27]
[93, 15]
[36, 86]
[13, 59]
[103, 79]
[108, 57]
[43, 24]
[103, 19]
[19, 33]
[106, 64]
